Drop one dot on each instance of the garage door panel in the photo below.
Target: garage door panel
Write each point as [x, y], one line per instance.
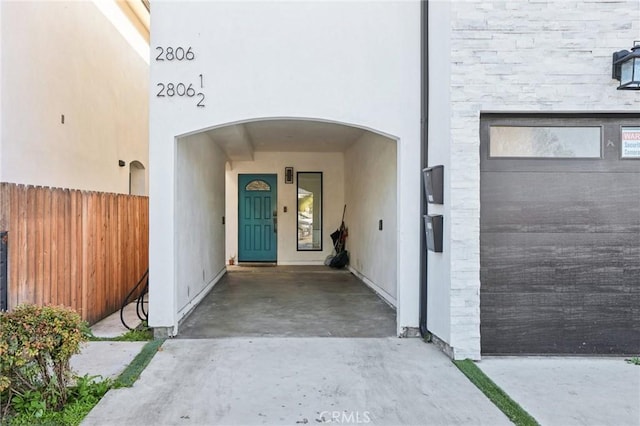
[535, 218]
[583, 188]
[586, 210]
[597, 341]
[578, 249]
[512, 279]
[558, 280]
[558, 323]
[560, 247]
[540, 262]
[632, 274]
[511, 324]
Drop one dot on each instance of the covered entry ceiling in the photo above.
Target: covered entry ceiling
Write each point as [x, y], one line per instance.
[240, 141]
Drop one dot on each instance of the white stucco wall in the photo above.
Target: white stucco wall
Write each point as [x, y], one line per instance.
[439, 136]
[66, 58]
[525, 56]
[332, 167]
[370, 194]
[1, 88]
[351, 62]
[199, 209]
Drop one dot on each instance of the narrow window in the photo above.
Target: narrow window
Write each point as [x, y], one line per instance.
[309, 211]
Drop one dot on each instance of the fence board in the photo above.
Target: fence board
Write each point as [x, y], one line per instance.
[53, 243]
[18, 284]
[73, 251]
[12, 219]
[80, 249]
[113, 262]
[31, 228]
[46, 246]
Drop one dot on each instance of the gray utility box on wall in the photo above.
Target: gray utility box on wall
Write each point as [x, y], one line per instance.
[433, 232]
[433, 184]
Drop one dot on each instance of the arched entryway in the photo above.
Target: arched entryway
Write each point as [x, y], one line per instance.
[351, 165]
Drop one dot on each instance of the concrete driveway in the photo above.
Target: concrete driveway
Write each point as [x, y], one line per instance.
[307, 345]
[289, 381]
[566, 391]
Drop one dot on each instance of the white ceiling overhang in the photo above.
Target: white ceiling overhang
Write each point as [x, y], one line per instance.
[234, 141]
[240, 141]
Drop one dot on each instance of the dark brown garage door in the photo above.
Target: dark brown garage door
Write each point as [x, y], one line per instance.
[560, 234]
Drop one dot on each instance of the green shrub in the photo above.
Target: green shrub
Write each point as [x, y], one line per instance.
[36, 343]
[30, 403]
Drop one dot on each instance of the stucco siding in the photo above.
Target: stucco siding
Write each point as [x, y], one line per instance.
[370, 195]
[347, 62]
[66, 59]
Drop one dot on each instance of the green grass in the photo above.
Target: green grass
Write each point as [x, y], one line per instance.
[128, 377]
[139, 334]
[635, 360]
[507, 405]
[135, 335]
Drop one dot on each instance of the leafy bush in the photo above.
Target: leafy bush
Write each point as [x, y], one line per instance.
[36, 343]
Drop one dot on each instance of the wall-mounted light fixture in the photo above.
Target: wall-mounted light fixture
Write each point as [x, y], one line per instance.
[288, 175]
[626, 67]
[121, 163]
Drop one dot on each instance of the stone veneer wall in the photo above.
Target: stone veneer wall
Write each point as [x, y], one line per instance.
[519, 56]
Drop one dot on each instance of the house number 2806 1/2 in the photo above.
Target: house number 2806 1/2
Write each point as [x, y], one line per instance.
[181, 90]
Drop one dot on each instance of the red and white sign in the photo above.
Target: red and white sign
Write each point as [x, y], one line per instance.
[631, 142]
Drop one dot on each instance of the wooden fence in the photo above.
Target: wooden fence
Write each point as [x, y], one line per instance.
[80, 249]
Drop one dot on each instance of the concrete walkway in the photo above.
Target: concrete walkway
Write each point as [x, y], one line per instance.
[105, 359]
[289, 381]
[567, 391]
[108, 359]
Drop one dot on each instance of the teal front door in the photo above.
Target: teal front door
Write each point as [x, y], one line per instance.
[257, 218]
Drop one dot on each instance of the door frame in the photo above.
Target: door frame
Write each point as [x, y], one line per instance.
[273, 181]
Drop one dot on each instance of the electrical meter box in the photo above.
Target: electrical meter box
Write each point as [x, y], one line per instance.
[433, 232]
[433, 184]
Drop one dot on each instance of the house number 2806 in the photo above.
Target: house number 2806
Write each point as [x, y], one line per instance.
[175, 53]
[177, 88]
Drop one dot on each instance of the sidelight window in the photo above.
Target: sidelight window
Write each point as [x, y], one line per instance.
[309, 211]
